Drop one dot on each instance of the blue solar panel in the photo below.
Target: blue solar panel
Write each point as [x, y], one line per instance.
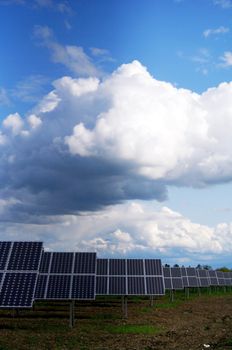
[213, 278]
[85, 263]
[62, 263]
[18, 289]
[102, 267]
[59, 287]
[136, 285]
[155, 286]
[45, 262]
[25, 256]
[83, 287]
[4, 253]
[135, 267]
[221, 278]
[117, 267]
[203, 278]
[101, 285]
[41, 287]
[153, 267]
[117, 286]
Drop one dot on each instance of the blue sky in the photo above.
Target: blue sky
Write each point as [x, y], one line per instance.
[106, 111]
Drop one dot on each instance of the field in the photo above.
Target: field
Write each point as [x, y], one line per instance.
[202, 322]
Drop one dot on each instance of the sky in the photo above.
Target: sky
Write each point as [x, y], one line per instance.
[115, 127]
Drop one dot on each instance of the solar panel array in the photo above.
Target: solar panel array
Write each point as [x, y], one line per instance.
[173, 278]
[67, 276]
[129, 277]
[28, 273]
[19, 268]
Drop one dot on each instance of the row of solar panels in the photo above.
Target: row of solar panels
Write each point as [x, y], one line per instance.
[27, 273]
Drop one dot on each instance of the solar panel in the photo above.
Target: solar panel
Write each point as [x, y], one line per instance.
[213, 280]
[25, 256]
[203, 278]
[19, 262]
[83, 287]
[168, 283]
[67, 276]
[18, 289]
[41, 287]
[227, 278]
[153, 267]
[172, 278]
[4, 252]
[85, 263]
[117, 267]
[102, 267]
[102, 285]
[155, 286]
[127, 277]
[189, 277]
[221, 278]
[59, 287]
[136, 285]
[117, 285]
[135, 267]
[62, 263]
[45, 262]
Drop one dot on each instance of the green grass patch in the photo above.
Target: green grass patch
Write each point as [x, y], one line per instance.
[133, 329]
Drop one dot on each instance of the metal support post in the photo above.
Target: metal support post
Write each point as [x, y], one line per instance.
[125, 307]
[151, 300]
[171, 295]
[71, 313]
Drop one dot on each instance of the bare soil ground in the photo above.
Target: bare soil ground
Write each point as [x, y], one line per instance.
[203, 322]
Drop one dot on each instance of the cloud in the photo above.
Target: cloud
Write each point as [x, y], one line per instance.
[226, 59]
[30, 89]
[132, 229]
[91, 143]
[61, 6]
[72, 57]
[225, 4]
[219, 30]
[4, 98]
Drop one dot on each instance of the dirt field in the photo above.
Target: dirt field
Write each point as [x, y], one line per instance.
[203, 322]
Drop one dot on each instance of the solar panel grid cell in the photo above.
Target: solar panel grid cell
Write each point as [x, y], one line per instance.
[83, 287]
[4, 252]
[102, 267]
[193, 282]
[136, 285]
[101, 285]
[59, 287]
[175, 272]
[18, 289]
[177, 283]
[45, 262]
[62, 263]
[153, 267]
[191, 272]
[41, 287]
[135, 267]
[25, 256]
[155, 286]
[117, 267]
[117, 286]
[167, 272]
[168, 283]
[85, 263]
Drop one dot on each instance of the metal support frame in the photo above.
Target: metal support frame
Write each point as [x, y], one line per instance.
[124, 306]
[151, 300]
[171, 295]
[72, 313]
[186, 293]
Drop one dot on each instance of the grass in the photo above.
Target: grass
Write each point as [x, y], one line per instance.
[133, 329]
